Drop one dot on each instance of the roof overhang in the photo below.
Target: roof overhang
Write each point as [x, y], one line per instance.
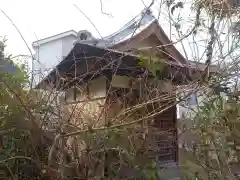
[86, 62]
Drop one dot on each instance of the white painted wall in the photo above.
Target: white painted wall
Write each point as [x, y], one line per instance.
[49, 54]
[188, 108]
[67, 44]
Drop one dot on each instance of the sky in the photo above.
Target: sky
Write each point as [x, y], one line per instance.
[40, 19]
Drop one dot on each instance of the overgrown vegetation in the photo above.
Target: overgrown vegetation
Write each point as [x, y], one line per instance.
[43, 138]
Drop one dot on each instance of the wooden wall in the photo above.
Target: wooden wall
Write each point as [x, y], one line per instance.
[96, 108]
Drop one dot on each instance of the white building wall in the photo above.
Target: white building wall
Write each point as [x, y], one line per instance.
[189, 107]
[49, 54]
[67, 44]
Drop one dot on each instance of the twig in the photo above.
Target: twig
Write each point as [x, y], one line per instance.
[160, 8]
[144, 3]
[17, 157]
[120, 59]
[125, 124]
[53, 148]
[32, 118]
[101, 4]
[196, 24]
[88, 20]
[10, 172]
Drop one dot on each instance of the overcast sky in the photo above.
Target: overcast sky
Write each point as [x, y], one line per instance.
[44, 18]
[48, 17]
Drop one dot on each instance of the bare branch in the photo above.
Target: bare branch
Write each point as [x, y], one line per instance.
[101, 4]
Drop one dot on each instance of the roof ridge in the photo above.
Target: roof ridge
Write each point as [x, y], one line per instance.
[142, 19]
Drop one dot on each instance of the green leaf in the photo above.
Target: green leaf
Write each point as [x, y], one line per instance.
[153, 64]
